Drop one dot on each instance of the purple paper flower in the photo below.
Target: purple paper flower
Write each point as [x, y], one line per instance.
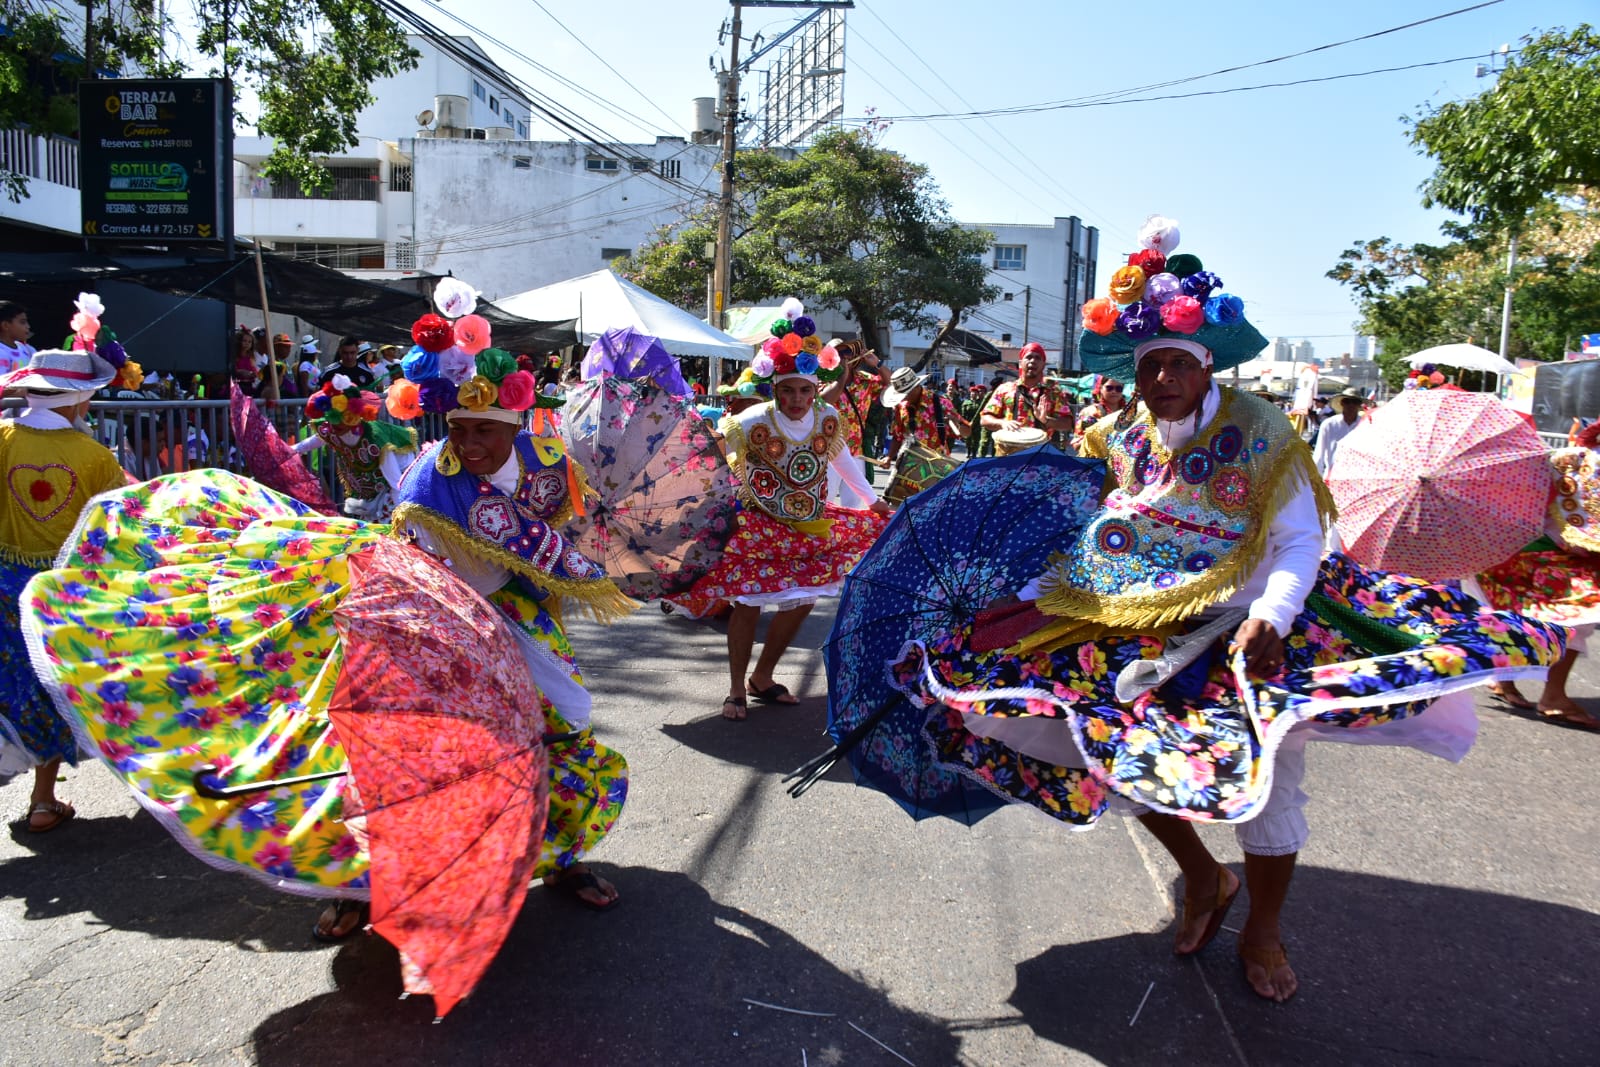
[1140, 321]
[113, 353]
[437, 394]
[1201, 284]
[804, 325]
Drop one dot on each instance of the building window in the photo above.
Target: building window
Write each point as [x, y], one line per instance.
[399, 178]
[1005, 338]
[608, 254]
[494, 104]
[522, 162]
[1006, 296]
[639, 166]
[609, 166]
[522, 130]
[478, 90]
[671, 168]
[1010, 257]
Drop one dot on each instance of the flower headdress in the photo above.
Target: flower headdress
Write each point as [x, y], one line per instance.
[794, 350]
[1426, 376]
[90, 335]
[341, 402]
[1162, 296]
[452, 370]
[747, 386]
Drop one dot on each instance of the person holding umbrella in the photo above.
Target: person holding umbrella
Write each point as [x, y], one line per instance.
[791, 547]
[1188, 640]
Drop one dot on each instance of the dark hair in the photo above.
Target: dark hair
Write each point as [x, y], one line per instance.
[353, 342]
[10, 309]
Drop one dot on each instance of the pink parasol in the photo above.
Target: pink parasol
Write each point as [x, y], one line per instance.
[268, 459]
[1440, 485]
[441, 724]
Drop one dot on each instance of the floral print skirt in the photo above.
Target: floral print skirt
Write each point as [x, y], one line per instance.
[1370, 648]
[194, 625]
[766, 558]
[1546, 583]
[31, 732]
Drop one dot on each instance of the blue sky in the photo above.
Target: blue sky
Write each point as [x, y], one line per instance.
[1268, 186]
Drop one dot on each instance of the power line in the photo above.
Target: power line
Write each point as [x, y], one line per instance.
[620, 76]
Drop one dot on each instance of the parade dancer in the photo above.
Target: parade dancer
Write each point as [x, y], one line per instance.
[369, 455]
[1186, 644]
[792, 546]
[52, 467]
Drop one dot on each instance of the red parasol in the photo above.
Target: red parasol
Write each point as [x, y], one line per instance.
[1440, 485]
[440, 722]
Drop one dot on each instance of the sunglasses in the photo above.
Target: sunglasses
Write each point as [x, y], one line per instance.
[1112, 389]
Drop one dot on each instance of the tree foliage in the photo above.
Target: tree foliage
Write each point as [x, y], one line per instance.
[309, 64]
[845, 224]
[1535, 134]
[1412, 297]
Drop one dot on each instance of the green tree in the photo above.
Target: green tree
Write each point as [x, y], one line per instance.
[672, 262]
[310, 65]
[1535, 134]
[845, 224]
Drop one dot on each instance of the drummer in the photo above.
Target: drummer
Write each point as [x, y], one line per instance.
[921, 416]
[1030, 402]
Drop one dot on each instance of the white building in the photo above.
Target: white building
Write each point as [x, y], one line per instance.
[1303, 352]
[1045, 273]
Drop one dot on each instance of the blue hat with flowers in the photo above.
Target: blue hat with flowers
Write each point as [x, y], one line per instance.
[1162, 294]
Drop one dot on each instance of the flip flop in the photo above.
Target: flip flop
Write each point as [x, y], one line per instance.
[1511, 703]
[341, 908]
[1219, 911]
[573, 884]
[1580, 719]
[734, 702]
[773, 694]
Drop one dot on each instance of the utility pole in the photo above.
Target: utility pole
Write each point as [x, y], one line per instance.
[1027, 310]
[730, 125]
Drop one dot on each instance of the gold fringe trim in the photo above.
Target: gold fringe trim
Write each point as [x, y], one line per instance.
[599, 597]
[1294, 469]
[24, 559]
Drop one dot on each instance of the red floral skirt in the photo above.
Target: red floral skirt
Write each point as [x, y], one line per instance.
[766, 557]
[1546, 584]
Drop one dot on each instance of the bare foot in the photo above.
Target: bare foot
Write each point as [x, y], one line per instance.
[734, 708]
[1266, 968]
[1204, 905]
[1508, 692]
[1567, 711]
[339, 920]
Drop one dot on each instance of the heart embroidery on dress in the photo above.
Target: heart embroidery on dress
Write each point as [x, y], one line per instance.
[42, 491]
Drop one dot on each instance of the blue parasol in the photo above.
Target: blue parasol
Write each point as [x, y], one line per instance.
[980, 533]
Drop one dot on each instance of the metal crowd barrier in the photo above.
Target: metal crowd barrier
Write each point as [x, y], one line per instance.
[155, 437]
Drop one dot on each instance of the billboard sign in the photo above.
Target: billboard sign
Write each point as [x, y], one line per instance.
[155, 159]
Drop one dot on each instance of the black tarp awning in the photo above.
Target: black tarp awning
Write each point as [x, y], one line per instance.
[47, 283]
[963, 348]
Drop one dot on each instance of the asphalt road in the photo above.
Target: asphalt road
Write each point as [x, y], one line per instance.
[1441, 914]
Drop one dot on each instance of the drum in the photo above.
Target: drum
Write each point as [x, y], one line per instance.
[1007, 442]
[916, 468]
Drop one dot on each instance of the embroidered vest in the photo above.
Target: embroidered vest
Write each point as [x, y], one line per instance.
[786, 478]
[1178, 533]
[1574, 516]
[356, 461]
[467, 514]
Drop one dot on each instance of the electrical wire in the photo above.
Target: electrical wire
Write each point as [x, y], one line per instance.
[620, 76]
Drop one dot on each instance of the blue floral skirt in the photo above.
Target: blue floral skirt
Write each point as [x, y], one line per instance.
[31, 731]
[1369, 649]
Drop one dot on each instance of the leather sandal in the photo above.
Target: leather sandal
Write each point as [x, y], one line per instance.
[1268, 959]
[1218, 907]
[60, 812]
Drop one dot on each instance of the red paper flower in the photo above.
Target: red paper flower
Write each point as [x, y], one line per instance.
[1148, 260]
[433, 333]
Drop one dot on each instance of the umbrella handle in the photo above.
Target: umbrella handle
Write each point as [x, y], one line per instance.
[807, 774]
[228, 792]
[203, 787]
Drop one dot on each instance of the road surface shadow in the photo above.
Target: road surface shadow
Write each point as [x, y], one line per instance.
[130, 874]
[660, 979]
[1391, 972]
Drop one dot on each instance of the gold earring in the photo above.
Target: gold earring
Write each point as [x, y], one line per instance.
[447, 463]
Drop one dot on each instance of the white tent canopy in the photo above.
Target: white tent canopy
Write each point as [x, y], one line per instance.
[602, 301]
[1464, 357]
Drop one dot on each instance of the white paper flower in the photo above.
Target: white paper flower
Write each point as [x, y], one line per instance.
[793, 309]
[1159, 234]
[89, 304]
[454, 298]
[341, 382]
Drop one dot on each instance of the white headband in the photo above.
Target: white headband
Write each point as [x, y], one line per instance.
[512, 418]
[1194, 348]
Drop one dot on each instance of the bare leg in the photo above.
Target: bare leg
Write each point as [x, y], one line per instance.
[780, 632]
[1509, 692]
[44, 792]
[1268, 878]
[1203, 876]
[741, 639]
[1554, 703]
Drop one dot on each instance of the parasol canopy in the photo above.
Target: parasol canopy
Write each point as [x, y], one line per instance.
[269, 459]
[1464, 356]
[440, 722]
[1440, 484]
[666, 504]
[949, 551]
